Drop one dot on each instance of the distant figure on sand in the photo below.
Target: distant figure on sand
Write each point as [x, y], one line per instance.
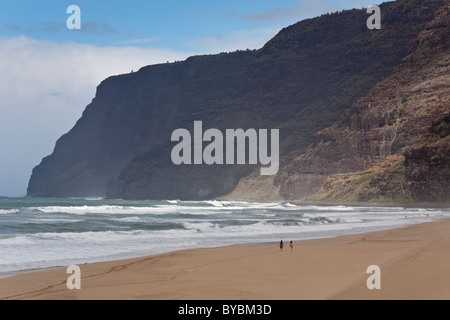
[291, 245]
[281, 245]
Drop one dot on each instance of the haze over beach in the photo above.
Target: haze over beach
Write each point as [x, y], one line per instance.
[163, 151]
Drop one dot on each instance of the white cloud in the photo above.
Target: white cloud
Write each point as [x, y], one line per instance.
[140, 41]
[44, 87]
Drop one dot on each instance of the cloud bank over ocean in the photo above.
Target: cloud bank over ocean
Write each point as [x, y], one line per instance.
[45, 86]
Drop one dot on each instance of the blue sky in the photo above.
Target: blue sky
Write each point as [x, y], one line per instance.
[178, 25]
[173, 24]
[49, 74]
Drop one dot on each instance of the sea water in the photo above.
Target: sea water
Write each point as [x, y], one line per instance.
[40, 233]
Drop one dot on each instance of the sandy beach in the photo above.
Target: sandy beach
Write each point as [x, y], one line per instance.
[414, 264]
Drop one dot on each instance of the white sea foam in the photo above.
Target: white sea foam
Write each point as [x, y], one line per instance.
[200, 226]
[127, 219]
[11, 211]
[289, 205]
[16, 241]
[157, 209]
[106, 209]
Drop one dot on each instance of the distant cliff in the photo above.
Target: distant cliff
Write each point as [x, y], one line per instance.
[405, 118]
[343, 97]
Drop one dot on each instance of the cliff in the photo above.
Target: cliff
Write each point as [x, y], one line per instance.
[359, 95]
[405, 117]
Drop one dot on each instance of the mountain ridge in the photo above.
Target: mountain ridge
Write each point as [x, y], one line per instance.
[302, 82]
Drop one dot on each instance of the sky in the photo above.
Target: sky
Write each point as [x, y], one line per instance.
[49, 73]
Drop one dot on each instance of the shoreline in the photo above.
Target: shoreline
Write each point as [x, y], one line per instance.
[416, 205]
[43, 264]
[414, 262]
[13, 273]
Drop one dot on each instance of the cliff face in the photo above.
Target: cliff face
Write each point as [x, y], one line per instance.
[130, 114]
[405, 116]
[369, 94]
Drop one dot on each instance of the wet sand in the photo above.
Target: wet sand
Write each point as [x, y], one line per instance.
[414, 264]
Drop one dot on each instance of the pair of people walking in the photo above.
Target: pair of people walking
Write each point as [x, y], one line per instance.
[291, 245]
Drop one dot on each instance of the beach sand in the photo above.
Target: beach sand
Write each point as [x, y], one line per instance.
[414, 262]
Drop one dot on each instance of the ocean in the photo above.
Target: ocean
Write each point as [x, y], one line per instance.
[40, 233]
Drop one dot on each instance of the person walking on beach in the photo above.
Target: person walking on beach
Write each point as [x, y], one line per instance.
[281, 245]
[291, 245]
